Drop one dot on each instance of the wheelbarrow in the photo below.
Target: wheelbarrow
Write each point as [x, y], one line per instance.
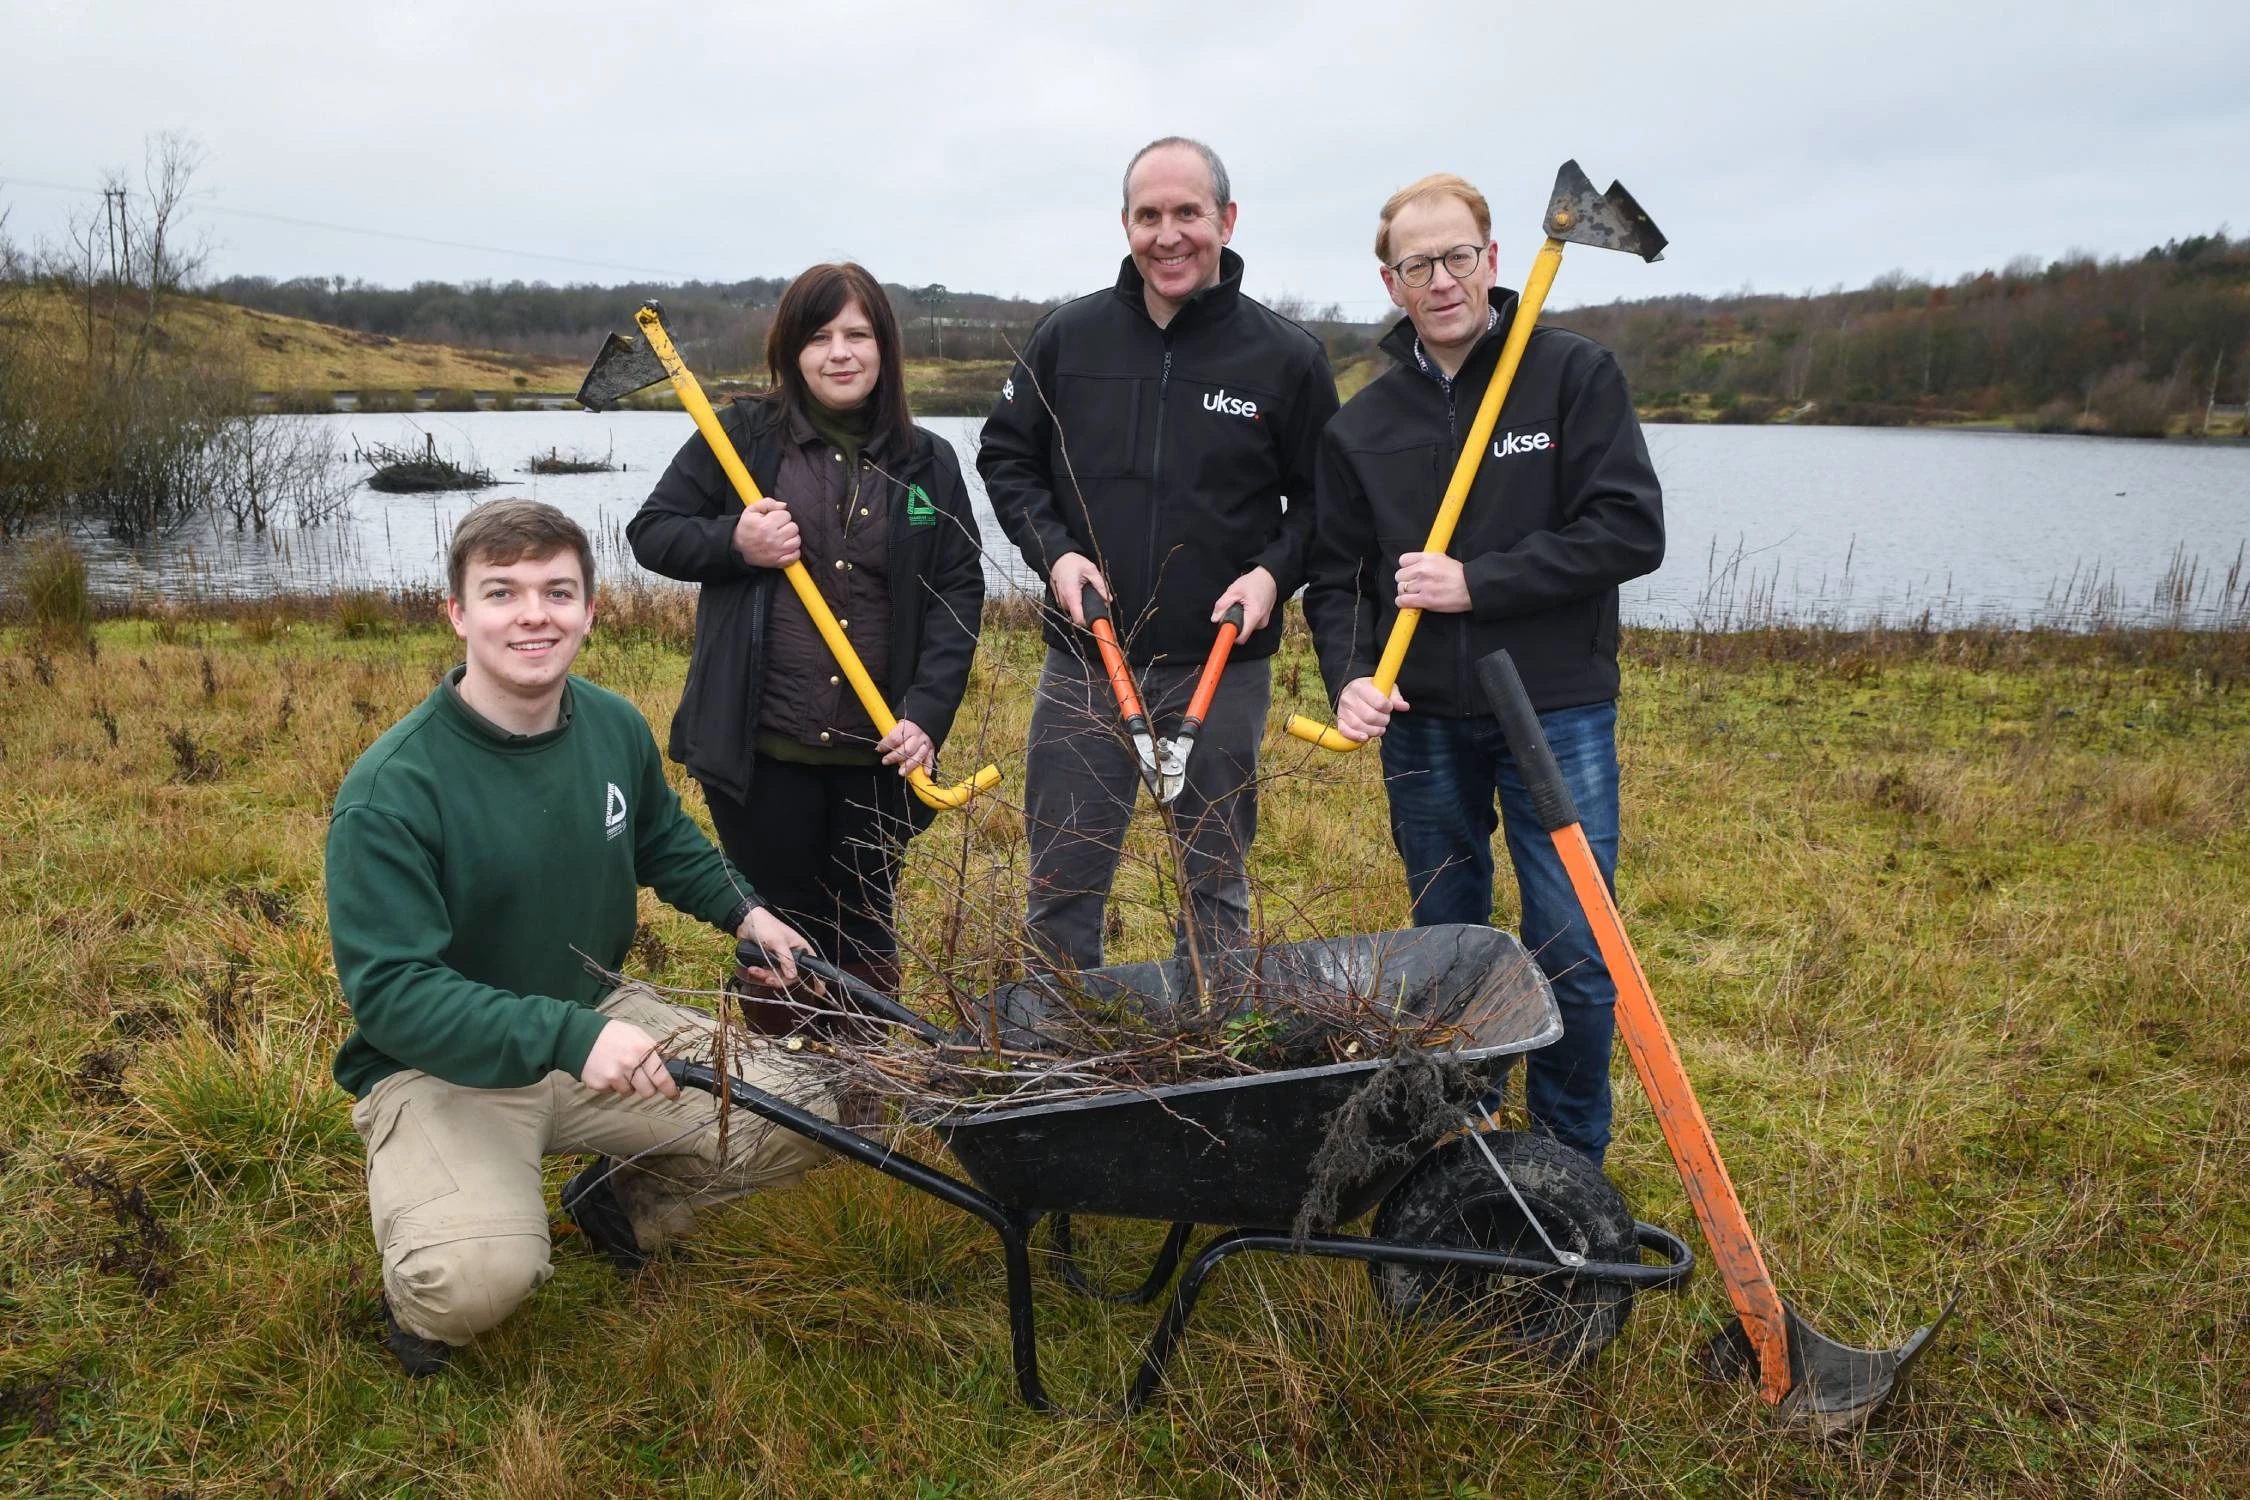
[1508, 1227]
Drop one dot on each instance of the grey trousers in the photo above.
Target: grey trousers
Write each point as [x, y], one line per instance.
[1082, 781]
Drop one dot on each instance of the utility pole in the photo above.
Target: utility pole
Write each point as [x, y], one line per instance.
[113, 216]
[933, 298]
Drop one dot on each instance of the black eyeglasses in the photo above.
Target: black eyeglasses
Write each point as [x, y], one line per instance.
[1459, 262]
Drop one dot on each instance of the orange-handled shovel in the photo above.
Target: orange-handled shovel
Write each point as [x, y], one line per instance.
[1831, 1386]
[623, 367]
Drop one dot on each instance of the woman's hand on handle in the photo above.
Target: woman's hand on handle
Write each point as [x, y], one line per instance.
[907, 747]
[766, 535]
[1363, 713]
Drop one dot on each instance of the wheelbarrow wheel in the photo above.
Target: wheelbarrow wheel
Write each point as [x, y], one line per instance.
[1452, 1197]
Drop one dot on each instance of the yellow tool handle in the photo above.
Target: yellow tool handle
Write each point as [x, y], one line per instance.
[808, 593]
[1534, 297]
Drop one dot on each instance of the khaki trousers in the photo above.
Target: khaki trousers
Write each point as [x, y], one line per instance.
[453, 1173]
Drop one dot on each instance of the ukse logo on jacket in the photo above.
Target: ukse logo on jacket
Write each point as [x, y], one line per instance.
[1521, 442]
[1231, 406]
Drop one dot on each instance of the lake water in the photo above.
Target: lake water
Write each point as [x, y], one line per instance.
[1813, 524]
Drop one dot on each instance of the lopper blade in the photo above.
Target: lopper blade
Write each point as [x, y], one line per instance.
[1576, 213]
[1171, 769]
[1146, 750]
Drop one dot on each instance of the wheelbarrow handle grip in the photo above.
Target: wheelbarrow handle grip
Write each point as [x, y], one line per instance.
[1535, 758]
[868, 998]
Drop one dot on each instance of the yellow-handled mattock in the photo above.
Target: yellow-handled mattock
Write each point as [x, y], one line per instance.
[808, 593]
[1575, 214]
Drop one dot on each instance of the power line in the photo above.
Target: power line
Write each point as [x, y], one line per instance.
[379, 234]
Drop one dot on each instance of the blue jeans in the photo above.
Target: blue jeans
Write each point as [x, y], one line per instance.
[1441, 774]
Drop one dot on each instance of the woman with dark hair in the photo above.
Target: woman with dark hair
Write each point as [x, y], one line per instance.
[808, 801]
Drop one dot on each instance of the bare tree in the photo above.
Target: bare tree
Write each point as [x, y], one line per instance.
[136, 426]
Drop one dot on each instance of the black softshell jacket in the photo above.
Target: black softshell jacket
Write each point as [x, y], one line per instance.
[1565, 507]
[1164, 454]
[685, 530]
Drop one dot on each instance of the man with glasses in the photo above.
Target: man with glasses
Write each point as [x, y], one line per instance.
[1155, 442]
[1565, 507]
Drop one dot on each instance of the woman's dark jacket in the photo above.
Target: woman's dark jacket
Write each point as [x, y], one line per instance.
[685, 530]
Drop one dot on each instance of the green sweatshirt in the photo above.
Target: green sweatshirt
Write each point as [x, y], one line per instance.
[464, 865]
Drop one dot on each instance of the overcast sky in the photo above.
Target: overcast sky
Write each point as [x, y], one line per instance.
[1781, 146]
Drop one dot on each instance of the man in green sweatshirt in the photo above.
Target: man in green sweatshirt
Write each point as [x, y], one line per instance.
[482, 851]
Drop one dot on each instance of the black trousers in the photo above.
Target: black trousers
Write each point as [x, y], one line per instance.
[822, 844]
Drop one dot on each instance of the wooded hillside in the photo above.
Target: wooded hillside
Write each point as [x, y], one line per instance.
[2123, 345]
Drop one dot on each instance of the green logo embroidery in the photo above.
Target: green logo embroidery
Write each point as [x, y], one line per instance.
[919, 510]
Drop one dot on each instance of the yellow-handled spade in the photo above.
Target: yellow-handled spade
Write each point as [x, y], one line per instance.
[622, 368]
[1576, 214]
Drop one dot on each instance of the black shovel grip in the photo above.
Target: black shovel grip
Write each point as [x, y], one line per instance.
[1550, 794]
[1093, 606]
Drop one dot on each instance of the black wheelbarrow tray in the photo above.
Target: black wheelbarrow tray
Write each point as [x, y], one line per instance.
[1510, 1227]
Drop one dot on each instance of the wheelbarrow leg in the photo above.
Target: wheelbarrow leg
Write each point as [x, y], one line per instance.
[1023, 1327]
[1159, 1274]
[1166, 1338]
[1014, 1226]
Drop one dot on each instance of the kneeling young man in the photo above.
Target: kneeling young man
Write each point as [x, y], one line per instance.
[489, 839]
[1565, 508]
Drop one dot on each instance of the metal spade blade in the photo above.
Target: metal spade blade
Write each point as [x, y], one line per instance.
[1579, 215]
[1833, 1388]
[624, 366]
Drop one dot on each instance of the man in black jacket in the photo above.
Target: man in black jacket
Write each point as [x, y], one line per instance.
[1565, 508]
[1143, 446]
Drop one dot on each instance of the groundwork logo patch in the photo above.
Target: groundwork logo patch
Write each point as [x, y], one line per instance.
[613, 812]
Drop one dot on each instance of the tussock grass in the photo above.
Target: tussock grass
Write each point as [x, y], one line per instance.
[1953, 929]
[52, 587]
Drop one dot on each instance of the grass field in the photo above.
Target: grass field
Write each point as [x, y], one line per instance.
[1954, 932]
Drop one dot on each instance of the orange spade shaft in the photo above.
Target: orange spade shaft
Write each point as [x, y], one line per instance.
[1725, 1227]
